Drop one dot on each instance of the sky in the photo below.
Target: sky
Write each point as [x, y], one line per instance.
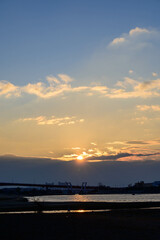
[80, 89]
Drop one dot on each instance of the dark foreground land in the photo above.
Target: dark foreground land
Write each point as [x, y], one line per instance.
[124, 221]
[136, 224]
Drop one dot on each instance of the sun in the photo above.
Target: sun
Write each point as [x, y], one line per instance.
[80, 158]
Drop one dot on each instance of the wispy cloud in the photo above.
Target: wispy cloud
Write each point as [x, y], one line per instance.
[54, 87]
[149, 85]
[65, 78]
[141, 120]
[42, 120]
[59, 86]
[131, 88]
[148, 107]
[8, 89]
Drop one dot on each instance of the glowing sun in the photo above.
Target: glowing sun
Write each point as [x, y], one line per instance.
[80, 158]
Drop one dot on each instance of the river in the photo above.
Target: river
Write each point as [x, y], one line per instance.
[98, 198]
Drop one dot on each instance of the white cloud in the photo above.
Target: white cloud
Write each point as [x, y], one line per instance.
[91, 150]
[52, 80]
[65, 78]
[138, 30]
[99, 89]
[43, 120]
[154, 74]
[131, 88]
[81, 120]
[149, 85]
[8, 89]
[135, 32]
[127, 81]
[130, 71]
[118, 41]
[93, 143]
[54, 87]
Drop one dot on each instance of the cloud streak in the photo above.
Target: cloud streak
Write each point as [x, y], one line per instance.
[128, 88]
[143, 108]
[42, 120]
[120, 156]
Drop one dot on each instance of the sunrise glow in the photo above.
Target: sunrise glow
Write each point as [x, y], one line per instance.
[80, 158]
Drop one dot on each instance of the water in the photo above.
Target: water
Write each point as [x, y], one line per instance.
[89, 198]
[57, 211]
[98, 198]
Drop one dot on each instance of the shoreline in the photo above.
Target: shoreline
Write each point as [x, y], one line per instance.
[21, 205]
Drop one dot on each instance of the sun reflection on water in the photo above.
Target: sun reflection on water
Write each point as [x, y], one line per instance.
[81, 211]
[80, 198]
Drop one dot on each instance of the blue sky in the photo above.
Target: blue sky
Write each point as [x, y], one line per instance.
[40, 38]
